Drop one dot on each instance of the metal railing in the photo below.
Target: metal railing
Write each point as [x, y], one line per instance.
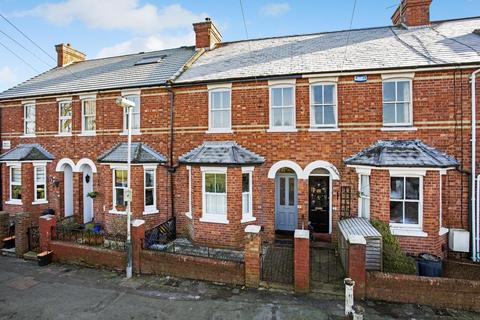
[161, 234]
[90, 238]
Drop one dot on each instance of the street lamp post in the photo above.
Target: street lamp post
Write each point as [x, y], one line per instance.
[127, 104]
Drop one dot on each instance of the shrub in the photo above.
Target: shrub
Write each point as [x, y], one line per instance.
[394, 259]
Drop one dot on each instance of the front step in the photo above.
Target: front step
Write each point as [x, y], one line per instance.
[9, 252]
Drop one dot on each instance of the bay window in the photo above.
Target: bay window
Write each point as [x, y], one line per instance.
[247, 197]
[214, 195]
[150, 205]
[29, 117]
[15, 185]
[364, 196]
[282, 107]
[219, 116]
[40, 183]
[406, 201]
[119, 187]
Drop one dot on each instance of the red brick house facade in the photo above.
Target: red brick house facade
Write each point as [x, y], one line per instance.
[325, 117]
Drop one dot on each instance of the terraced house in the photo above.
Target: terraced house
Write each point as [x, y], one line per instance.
[286, 133]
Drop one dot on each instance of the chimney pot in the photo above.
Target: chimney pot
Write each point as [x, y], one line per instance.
[206, 34]
[66, 54]
[412, 13]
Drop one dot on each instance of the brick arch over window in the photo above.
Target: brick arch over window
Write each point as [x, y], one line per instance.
[324, 165]
[63, 162]
[88, 162]
[285, 164]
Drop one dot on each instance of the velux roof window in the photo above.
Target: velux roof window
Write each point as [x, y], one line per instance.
[150, 60]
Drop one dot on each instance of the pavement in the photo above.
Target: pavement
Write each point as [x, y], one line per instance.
[72, 292]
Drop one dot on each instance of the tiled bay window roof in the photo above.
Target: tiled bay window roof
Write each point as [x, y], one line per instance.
[221, 153]
[401, 153]
[140, 153]
[391, 47]
[27, 152]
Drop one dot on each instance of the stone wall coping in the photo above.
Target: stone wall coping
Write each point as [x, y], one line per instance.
[137, 222]
[357, 239]
[253, 229]
[302, 234]
[47, 217]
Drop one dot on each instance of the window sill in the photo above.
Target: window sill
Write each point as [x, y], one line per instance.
[219, 131]
[28, 136]
[396, 231]
[214, 218]
[117, 212]
[188, 215]
[40, 202]
[400, 128]
[63, 135]
[147, 212]
[14, 202]
[87, 134]
[326, 129]
[443, 231]
[248, 219]
[282, 130]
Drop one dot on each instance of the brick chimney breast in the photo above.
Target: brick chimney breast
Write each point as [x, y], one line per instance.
[206, 34]
[412, 13]
[67, 55]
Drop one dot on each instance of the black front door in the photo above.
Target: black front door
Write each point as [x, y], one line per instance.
[319, 203]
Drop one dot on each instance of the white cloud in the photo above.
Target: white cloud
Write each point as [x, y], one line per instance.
[275, 9]
[116, 15]
[150, 43]
[7, 76]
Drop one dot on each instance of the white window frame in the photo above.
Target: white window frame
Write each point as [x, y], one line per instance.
[410, 111]
[26, 121]
[126, 95]
[361, 197]
[36, 167]
[190, 212]
[151, 208]
[83, 100]
[11, 183]
[313, 125]
[248, 216]
[114, 188]
[209, 217]
[60, 117]
[212, 90]
[282, 128]
[404, 228]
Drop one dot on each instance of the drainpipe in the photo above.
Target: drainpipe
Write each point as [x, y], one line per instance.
[475, 218]
[171, 168]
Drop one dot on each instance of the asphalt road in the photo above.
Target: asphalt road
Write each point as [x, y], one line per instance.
[69, 292]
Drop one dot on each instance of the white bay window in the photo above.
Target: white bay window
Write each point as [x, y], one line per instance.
[119, 187]
[15, 185]
[406, 201]
[247, 195]
[214, 195]
[40, 184]
[364, 196]
[150, 198]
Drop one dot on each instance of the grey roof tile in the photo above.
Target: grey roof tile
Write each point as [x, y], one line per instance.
[443, 42]
[141, 153]
[27, 152]
[221, 152]
[105, 73]
[402, 153]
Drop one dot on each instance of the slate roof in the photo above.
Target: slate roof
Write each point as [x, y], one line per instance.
[141, 153]
[27, 152]
[441, 43]
[221, 152]
[106, 73]
[402, 153]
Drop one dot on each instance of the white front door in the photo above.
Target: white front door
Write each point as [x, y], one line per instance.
[68, 190]
[87, 187]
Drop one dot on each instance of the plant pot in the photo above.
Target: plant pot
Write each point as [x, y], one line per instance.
[44, 258]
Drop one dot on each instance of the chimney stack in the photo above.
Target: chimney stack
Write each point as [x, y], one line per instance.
[67, 55]
[412, 13]
[206, 34]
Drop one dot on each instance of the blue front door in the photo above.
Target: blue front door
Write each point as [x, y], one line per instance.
[286, 202]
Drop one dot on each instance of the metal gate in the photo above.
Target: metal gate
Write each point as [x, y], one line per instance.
[277, 264]
[33, 236]
[326, 270]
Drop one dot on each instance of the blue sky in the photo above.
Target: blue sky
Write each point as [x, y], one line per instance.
[112, 27]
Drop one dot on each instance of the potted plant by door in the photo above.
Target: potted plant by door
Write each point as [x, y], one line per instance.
[92, 194]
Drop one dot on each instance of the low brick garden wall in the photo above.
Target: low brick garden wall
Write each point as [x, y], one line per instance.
[68, 252]
[191, 267]
[436, 292]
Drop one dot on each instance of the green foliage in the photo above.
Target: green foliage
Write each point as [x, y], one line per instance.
[394, 259]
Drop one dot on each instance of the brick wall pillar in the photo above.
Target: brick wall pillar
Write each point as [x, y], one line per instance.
[301, 265]
[138, 236]
[4, 226]
[45, 225]
[22, 223]
[356, 264]
[253, 248]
